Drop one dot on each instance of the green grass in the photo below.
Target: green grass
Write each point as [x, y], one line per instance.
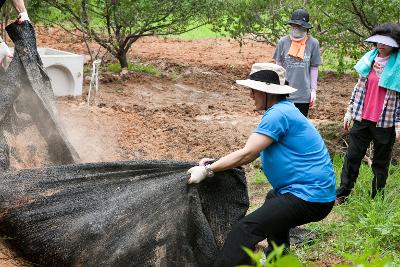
[137, 67]
[259, 177]
[362, 225]
[370, 224]
[203, 32]
[360, 231]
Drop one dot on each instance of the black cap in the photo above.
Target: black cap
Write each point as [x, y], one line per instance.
[300, 17]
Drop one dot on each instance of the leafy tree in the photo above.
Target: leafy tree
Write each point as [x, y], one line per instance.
[117, 24]
[340, 25]
[260, 20]
[337, 21]
[343, 25]
[352, 20]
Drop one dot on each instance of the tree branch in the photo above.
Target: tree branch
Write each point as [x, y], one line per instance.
[343, 25]
[361, 15]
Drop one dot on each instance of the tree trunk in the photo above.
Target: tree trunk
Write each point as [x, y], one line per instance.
[122, 58]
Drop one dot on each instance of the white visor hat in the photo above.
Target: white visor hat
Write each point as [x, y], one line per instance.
[382, 39]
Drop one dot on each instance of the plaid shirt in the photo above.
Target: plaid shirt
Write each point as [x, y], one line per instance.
[391, 106]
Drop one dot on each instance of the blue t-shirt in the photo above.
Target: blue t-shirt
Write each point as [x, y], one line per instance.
[297, 161]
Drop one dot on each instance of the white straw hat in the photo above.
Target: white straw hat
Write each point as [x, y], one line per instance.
[268, 78]
[382, 39]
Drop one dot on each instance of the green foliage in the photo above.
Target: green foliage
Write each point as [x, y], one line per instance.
[363, 231]
[116, 25]
[339, 61]
[274, 259]
[259, 177]
[277, 259]
[137, 67]
[349, 22]
[203, 32]
[263, 20]
[144, 68]
[373, 223]
[367, 259]
[339, 25]
[113, 67]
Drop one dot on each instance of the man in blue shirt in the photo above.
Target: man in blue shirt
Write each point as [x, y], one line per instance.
[294, 159]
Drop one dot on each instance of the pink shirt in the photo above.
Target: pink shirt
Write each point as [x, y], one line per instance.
[374, 98]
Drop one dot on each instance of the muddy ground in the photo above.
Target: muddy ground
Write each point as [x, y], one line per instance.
[192, 110]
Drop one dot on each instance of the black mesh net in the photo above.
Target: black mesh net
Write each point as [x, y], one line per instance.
[31, 135]
[120, 214]
[99, 214]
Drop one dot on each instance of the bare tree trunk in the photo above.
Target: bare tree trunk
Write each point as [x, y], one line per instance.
[122, 58]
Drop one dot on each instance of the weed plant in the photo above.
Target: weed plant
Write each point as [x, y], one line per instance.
[135, 67]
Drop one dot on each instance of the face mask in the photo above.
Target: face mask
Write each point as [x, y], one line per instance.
[298, 33]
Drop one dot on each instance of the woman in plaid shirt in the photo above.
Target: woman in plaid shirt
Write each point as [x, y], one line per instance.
[375, 109]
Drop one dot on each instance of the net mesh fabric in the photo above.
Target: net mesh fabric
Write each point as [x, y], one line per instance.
[133, 213]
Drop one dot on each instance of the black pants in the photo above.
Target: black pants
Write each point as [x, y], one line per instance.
[360, 136]
[273, 221]
[303, 107]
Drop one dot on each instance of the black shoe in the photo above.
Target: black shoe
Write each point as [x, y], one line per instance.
[301, 235]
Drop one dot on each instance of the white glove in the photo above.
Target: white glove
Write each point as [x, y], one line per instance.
[313, 97]
[22, 17]
[197, 174]
[347, 120]
[4, 51]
